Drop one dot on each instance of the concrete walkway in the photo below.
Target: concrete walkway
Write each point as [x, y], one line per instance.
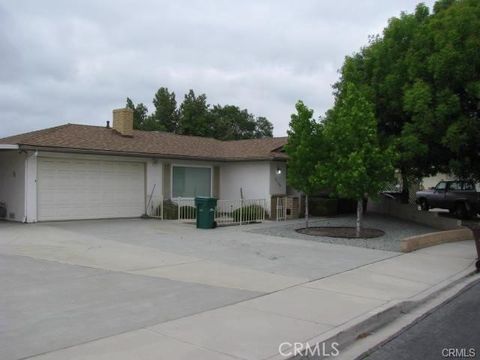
[309, 311]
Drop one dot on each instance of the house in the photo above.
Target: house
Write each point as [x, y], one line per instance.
[92, 172]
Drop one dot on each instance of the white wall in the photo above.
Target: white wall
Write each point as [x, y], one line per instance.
[431, 181]
[31, 187]
[12, 183]
[278, 182]
[252, 177]
[154, 183]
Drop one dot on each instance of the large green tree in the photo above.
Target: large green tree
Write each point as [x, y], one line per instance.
[141, 119]
[423, 77]
[166, 113]
[352, 163]
[304, 149]
[229, 122]
[196, 117]
[263, 127]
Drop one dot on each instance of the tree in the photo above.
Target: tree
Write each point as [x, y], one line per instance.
[229, 122]
[422, 77]
[141, 120]
[194, 119]
[263, 127]
[304, 150]
[352, 164]
[166, 113]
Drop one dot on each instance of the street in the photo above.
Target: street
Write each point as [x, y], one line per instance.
[450, 332]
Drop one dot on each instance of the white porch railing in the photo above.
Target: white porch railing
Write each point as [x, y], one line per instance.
[186, 210]
[233, 212]
[227, 212]
[281, 208]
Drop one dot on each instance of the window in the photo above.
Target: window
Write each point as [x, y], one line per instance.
[441, 186]
[468, 186]
[455, 186]
[189, 182]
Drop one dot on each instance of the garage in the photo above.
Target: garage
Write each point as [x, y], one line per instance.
[70, 189]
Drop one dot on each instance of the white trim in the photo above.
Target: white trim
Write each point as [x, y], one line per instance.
[189, 165]
[28, 216]
[8, 147]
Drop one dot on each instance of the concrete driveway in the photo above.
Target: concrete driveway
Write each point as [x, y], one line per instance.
[65, 284]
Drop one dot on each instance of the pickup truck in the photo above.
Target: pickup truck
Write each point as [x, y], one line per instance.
[459, 197]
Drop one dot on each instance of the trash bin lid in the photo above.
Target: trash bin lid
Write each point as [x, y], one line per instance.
[205, 200]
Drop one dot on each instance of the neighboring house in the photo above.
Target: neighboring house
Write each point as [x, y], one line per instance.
[92, 172]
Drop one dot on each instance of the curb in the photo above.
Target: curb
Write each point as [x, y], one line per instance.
[417, 242]
[364, 325]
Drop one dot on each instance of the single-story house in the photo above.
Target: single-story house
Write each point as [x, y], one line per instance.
[91, 172]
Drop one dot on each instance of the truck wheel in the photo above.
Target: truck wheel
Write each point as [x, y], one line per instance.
[424, 205]
[477, 265]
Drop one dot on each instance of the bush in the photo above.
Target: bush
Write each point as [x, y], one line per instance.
[347, 206]
[249, 213]
[170, 210]
[323, 207]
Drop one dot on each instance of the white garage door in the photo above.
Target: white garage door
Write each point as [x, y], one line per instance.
[89, 189]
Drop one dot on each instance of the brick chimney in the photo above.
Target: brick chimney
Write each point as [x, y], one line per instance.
[123, 121]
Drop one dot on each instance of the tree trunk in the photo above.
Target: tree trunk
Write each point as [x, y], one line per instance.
[405, 190]
[359, 217]
[306, 211]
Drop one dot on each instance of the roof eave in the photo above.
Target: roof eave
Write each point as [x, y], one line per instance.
[143, 154]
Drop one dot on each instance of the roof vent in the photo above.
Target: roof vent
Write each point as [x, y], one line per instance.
[123, 121]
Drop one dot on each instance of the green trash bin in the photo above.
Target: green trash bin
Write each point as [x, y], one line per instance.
[205, 212]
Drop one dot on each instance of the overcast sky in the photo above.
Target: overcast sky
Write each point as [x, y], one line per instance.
[75, 61]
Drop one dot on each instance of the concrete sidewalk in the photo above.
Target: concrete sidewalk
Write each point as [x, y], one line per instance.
[309, 312]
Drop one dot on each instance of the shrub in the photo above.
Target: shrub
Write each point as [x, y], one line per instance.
[170, 210]
[249, 213]
[323, 207]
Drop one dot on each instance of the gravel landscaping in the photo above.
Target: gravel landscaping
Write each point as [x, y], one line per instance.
[395, 230]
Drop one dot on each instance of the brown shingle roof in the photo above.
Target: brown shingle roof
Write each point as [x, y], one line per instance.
[150, 143]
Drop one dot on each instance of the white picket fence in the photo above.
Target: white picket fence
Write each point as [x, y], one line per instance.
[237, 212]
[186, 210]
[227, 212]
[281, 209]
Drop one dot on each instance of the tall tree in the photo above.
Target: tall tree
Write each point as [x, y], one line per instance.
[304, 151]
[423, 78]
[141, 120]
[194, 119]
[263, 127]
[352, 164]
[229, 123]
[166, 113]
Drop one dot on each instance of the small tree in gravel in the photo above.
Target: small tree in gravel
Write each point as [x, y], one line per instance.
[303, 149]
[352, 164]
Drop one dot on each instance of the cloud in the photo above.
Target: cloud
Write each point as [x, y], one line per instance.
[76, 61]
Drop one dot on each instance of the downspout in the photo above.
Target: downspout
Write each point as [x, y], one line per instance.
[35, 154]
